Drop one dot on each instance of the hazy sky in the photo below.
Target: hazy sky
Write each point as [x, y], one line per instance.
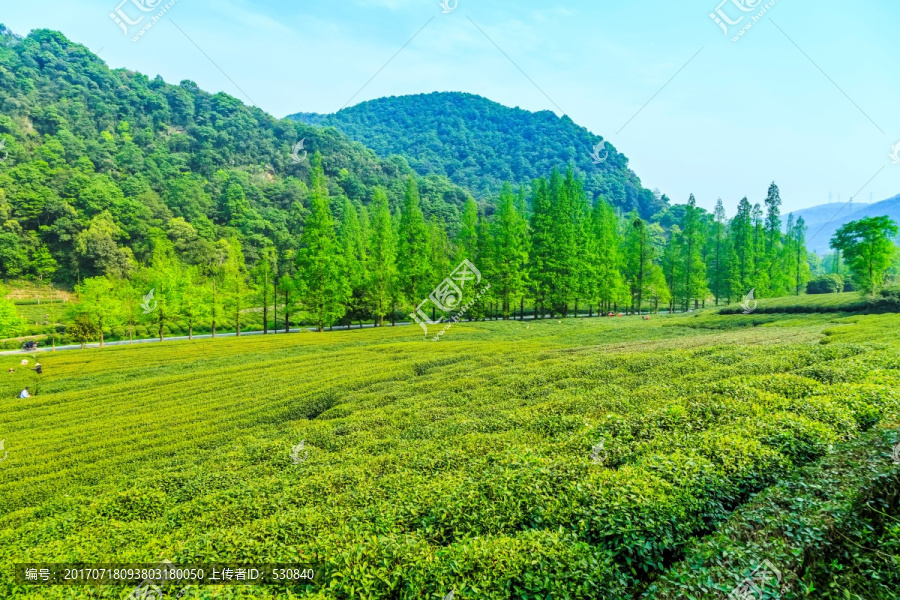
[818, 114]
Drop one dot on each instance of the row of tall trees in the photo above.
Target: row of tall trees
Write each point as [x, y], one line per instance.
[545, 246]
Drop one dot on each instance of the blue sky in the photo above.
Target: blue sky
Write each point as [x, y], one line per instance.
[736, 117]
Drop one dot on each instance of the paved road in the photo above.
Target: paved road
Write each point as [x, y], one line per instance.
[176, 339]
[220, 335]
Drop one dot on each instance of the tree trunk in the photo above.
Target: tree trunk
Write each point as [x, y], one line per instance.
[215, 296]
[237, 314]
[275, 304]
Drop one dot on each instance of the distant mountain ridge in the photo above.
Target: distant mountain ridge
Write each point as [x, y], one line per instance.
[479, 144]
[825, 219]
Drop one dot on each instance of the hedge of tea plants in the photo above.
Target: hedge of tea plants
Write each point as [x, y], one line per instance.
[557, 459]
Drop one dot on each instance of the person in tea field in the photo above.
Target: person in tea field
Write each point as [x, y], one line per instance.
[38, 369]
[25, 394]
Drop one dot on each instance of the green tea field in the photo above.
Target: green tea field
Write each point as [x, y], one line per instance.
[574, 459]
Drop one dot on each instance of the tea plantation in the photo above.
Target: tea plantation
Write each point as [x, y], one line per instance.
[583, 459]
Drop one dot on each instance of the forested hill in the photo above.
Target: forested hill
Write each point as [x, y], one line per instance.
[96, 163]
[479, 144]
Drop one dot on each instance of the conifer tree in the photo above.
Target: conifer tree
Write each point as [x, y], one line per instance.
[719, 263]
[638, 260]
[801, 255]
[695, 287]
[353, 251]
[564, 252]
[509, 233]
[412, 248]
[607, 276]
[743, 250]
[382, 269]
[542, 241]
[323, 290]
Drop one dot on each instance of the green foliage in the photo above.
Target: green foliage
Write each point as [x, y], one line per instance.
[868, 248]
[322, 284]
[10, 321]
[480, 144]
[465, 465]
[102, 162]
[826, 284]
[830, 530]
[83, 330]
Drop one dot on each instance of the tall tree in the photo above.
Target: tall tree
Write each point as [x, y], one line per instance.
[773, 219]
[509, 231]
[353, 251]
[542, 242]
[695, 287]
[412, 247]
[638, 260]
[97, 300]
[322, 288]
[382, 269]
[801, 255]
[607, 274]
[263, 275]
[868, 248]
[718, 266]
[235, 286]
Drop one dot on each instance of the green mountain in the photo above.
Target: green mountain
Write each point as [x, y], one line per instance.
[96, 163]
[479, 144]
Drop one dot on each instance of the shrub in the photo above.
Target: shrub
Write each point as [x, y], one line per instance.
[826, 284]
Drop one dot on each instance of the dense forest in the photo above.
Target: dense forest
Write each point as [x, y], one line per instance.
[129, 189]
[480, 144]
[100, 163]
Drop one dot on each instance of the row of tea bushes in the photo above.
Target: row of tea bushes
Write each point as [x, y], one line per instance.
[820, 529]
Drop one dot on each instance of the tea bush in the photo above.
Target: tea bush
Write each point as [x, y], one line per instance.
[574, 459]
